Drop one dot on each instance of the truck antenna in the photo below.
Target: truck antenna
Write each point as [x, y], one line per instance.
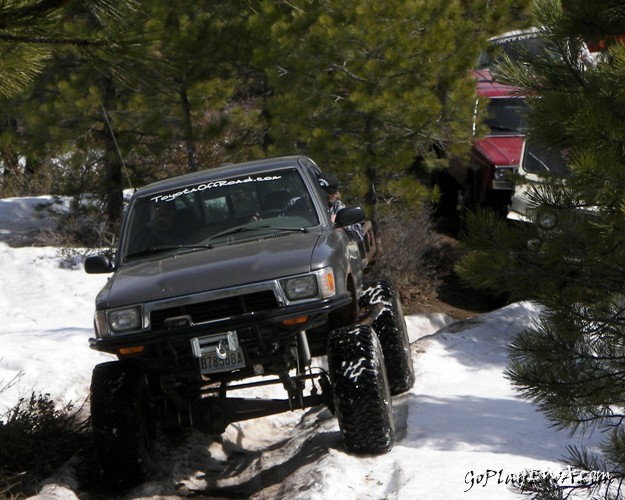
[108, 123]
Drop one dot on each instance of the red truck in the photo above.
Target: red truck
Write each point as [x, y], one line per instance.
[485, 177]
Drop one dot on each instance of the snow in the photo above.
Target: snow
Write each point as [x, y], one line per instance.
[462, 431]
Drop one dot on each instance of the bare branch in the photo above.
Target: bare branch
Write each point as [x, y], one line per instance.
[337, 67]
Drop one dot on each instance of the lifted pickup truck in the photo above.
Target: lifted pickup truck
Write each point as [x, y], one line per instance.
[231, 279]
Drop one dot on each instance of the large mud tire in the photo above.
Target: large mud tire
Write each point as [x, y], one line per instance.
[390, 325]
[121, 420]
[362, 399]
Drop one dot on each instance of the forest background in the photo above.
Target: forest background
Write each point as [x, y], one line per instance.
[99, 96]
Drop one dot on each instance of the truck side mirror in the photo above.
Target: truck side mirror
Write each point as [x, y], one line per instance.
[349, 216]
[98, 264]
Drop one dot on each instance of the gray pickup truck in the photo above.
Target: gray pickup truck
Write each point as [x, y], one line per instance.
[236, 278]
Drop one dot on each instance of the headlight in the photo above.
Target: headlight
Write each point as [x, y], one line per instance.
[502, 174]
[124, 320]
[547, 220]
[320, 283]
[302, 287]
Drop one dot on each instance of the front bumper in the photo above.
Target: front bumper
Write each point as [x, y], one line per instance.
[316, 312]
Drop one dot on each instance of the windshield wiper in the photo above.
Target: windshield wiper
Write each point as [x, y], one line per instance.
[290, 229]
[163, 249]
[244, 229]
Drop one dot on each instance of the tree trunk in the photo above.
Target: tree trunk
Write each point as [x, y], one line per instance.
[13, 177]
[113, 163]
[189, 136]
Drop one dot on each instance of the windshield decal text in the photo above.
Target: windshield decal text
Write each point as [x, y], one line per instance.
[209, 185]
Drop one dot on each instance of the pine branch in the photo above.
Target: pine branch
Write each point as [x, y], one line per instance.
[10, 17]
[38, 40]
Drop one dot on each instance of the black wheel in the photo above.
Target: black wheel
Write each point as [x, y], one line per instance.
[469, 201]
[122, 426]
[499, 202]
[469, 196]
[362, 398]
[390, 326]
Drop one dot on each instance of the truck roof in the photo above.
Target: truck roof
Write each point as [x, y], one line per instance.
[488, 87]
[229, 170]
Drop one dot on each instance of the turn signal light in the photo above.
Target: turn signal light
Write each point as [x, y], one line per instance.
[127, 351]
[295, 321]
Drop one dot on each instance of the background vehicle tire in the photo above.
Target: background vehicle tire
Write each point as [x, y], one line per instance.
[390, 326]
[362, 399]
[447, 204]
[121, 424]
[468, 202]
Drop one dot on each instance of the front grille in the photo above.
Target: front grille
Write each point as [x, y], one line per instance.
[202, 312]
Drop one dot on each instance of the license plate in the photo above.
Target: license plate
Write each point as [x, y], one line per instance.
[218, 353]
[215, 364]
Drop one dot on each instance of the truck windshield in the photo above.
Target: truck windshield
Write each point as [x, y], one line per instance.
[218, 211]
[506, 115]
[522, 47]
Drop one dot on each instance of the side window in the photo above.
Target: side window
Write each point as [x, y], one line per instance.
[216, 209]
[226, 204]
[539, 160]
[533, 165]
[244, 201]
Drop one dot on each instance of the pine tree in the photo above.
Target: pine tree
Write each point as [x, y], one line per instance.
[101, 120]
[207, 80]
[367, 87]
[37, 34]
[32, 31]
[572, 362]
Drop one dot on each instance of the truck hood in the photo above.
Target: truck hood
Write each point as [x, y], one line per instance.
[502, 150]
[196, 271]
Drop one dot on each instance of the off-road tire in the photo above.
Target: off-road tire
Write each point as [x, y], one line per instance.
[122, 426]
[390, 326]
[362, 399]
